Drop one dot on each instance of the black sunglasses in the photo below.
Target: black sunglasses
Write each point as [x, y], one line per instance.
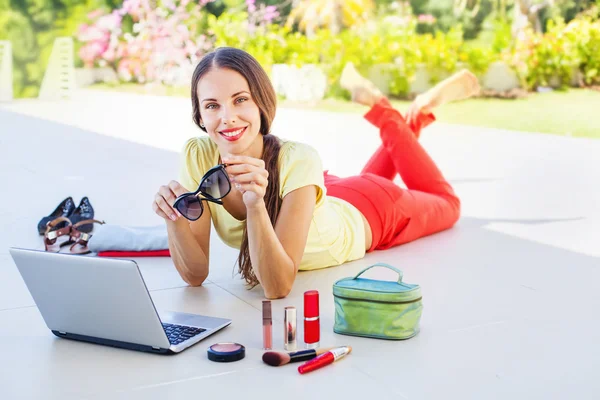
[214, 185]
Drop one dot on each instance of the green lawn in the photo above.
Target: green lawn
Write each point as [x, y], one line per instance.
[574, 112]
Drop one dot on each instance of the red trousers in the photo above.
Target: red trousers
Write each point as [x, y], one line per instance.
[398, 215]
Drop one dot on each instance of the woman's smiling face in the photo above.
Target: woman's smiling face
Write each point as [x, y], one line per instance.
[229, 113]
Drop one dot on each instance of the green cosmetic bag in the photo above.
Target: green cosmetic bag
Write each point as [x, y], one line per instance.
[377, 309]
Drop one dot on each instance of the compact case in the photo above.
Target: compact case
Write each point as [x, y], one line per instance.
[375, 308]
[226, 352]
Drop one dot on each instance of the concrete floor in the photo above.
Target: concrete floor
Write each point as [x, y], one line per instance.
[511, 293]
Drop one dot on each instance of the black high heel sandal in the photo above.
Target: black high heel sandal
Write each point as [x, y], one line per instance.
[84, 211]
[64, 209]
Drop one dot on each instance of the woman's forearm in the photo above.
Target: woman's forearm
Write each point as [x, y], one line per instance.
[273, 267]
[186, 253]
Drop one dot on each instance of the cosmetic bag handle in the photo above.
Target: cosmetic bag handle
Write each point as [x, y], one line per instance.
[382, 265]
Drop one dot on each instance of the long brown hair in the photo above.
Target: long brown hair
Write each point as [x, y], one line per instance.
[264, 96]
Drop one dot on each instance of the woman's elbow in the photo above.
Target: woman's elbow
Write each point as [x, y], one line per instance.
[281, 286]
[192, 274]
[194, 280]
[278, 293]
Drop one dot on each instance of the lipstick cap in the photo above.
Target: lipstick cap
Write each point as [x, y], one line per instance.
[311, 304]
[266, 312]
[289, 324]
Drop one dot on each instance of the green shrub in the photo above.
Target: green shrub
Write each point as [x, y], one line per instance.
[32, 26]
[16, 28]
[477, 58]
[440, 52]
[389, 40]
[584, 34]
[540, 59]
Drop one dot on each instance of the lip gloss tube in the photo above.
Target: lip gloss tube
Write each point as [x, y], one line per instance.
[267, 322]
[312, 324]
[289, 325]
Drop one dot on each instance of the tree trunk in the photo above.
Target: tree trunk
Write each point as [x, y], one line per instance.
[528, 14]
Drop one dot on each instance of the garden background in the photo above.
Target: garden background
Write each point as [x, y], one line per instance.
[544, 54]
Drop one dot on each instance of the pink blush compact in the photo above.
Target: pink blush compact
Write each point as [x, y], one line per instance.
[226, 352]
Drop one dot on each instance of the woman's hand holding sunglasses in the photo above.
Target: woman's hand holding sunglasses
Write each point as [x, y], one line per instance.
[249, 176]
[164, 199]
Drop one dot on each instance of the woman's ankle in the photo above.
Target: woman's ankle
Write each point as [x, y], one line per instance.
[362, 90]
[366, 96]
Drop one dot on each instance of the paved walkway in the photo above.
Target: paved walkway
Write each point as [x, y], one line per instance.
[511, 293]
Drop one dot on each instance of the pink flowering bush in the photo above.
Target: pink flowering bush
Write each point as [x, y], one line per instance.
[255, 30]
[262, 15]
[426, 19]
[146, 42]
[162, 40]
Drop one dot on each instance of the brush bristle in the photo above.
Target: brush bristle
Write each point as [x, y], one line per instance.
[275, 358]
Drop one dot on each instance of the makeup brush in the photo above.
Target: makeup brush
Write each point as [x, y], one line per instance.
[277, 358]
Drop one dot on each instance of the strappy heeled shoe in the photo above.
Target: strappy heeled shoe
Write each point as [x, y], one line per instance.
[64, 209]
[83, 212]
[53, 233]
[80, 238]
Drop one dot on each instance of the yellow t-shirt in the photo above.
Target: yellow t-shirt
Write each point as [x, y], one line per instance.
[336, 233]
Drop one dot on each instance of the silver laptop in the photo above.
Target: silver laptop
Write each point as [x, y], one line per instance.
[106, 301]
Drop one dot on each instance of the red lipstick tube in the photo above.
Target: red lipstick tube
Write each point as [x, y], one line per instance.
[324, 359]
[312, 324]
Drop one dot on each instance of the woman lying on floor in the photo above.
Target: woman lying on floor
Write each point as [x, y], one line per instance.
[283, 212]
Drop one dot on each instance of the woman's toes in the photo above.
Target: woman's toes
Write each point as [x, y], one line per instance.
[350, 77]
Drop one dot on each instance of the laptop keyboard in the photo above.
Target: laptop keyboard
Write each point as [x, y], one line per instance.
[180, 333]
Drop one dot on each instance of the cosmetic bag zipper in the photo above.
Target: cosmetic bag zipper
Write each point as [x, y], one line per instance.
[377, 301]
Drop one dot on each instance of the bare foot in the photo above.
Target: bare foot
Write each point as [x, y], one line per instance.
[459, 86]
[363, 91]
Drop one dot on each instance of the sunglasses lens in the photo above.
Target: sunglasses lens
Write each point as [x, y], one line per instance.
[216, 185]
[190, 207]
